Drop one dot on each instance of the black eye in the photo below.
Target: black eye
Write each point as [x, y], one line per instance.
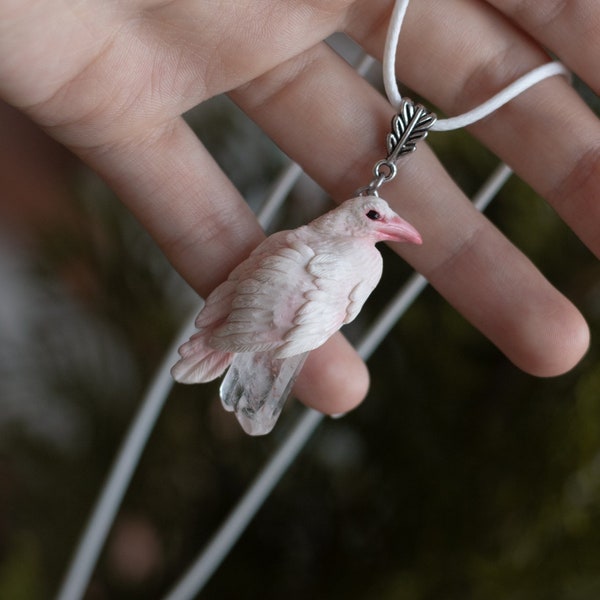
[373, 215]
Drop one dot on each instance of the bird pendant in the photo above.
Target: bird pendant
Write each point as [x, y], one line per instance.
[293, 292]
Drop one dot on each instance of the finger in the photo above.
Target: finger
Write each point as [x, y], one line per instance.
[179, 194]
[188, 205]
[569, 29]
[342, 389]
[547, 134]
[463, 255]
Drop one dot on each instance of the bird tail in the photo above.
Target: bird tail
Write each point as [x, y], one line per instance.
[257, 386]
[199, 362]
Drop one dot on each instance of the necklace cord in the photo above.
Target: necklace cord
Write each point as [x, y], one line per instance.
[479, 112]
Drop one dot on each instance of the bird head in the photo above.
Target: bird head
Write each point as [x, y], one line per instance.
[371, 217]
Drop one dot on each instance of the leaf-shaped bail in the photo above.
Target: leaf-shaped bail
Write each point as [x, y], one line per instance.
[411, 124]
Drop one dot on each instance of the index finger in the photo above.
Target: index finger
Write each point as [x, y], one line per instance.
[189, 206]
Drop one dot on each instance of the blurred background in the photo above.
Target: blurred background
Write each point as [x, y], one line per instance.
[460, 477]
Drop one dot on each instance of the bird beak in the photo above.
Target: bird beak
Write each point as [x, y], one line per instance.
[399, 230]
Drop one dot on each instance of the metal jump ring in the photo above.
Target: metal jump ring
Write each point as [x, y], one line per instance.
[380, 168]
[384, 171]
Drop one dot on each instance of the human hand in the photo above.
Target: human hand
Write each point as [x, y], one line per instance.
[111, 80]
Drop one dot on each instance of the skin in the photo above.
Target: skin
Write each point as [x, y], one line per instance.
[110, 81]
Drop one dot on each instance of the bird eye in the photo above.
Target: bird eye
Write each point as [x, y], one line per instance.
[373, 215]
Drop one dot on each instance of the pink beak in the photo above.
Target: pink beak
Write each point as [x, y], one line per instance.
[399, 230]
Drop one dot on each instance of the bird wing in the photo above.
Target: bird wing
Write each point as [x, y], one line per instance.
[342, 280]
[292, 297]
[218, 304]
[200, 361]
[269, 288]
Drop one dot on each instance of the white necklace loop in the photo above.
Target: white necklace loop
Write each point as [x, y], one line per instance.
[479, 112]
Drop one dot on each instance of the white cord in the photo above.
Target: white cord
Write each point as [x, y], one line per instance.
[389, 53]
[103, 515]
[503, 97]
[483, 110]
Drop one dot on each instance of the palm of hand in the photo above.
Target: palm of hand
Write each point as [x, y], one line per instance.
[118, 72]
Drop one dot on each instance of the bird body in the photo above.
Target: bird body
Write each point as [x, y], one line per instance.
[294, 291]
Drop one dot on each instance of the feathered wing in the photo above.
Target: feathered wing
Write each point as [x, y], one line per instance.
[266, 300]
[339, 292]
[200, 362]
[298, 297]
